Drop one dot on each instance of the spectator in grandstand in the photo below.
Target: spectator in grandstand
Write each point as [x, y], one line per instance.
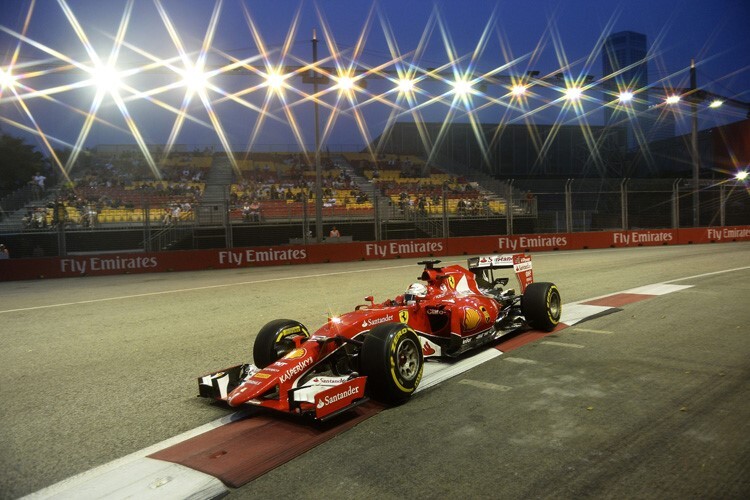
[88, 217]
[39, 180]
[251, 211]
[255, 211]
[4, 253]
[422, 205]
[176, 213]
[486, 205]
[37, 185]
[334, 233]
[362, 197]
[529, 201]
[461, 206]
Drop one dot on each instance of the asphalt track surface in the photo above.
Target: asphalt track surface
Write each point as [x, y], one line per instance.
[651, 401]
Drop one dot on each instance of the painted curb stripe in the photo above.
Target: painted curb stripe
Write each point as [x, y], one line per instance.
[618, 300]
[142, 478]
[577, 312]
[658, 289]
[436, 372]
[244, 450]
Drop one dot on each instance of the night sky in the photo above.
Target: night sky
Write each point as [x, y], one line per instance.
[50, 95]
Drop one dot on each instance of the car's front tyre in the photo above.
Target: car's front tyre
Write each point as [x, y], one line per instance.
[392, 359]
[275, 340]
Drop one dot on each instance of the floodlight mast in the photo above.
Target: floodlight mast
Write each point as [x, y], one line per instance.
[695, 96]
[696, 157]
[318, 168]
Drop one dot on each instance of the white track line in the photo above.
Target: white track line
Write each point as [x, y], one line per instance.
[714, 273]
[562, 344]
[199, 288]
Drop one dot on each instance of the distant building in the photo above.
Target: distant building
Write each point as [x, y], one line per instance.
[502, 151]
[625, 69]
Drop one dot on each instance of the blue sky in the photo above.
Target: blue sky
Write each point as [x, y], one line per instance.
[46, 42]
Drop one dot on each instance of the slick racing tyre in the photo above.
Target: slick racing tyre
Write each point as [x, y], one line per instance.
[392, 359]
[541, 306]
[275, 340]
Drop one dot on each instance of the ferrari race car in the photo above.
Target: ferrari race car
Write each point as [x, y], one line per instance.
[379, 349]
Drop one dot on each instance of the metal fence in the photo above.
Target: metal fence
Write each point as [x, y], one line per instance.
[529, 206]
[575, 205]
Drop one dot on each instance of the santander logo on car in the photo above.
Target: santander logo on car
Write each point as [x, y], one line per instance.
[370, 322]
[335, 398]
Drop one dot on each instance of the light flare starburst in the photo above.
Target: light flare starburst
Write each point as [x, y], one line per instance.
[459, 89]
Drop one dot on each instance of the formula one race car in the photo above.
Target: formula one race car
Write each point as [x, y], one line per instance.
[379, 350]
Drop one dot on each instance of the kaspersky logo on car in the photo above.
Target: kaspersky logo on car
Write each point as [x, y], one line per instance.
[335, 398]
[296, 370]
[376, 321]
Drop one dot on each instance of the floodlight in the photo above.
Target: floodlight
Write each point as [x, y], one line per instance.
[518, 90]
[345, 83]
[461, 87]
[274, 80]
[194, 78]
[405, 85]
[106, 78]
[6, 79]
[673, 99]
[573, 93]
[741, 175]
[716, 103]
[626, 96]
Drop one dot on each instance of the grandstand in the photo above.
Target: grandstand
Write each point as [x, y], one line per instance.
[267, 198]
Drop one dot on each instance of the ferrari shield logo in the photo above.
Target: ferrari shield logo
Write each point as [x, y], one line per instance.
[403, 316]
[452, 282]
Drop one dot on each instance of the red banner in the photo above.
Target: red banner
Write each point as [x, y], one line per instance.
[194, 260]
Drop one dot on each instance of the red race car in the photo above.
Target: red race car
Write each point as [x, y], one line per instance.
[379, 350]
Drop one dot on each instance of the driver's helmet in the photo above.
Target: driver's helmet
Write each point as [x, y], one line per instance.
[415, 290]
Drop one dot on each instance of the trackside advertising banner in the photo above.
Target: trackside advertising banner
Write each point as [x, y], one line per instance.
[194, 260]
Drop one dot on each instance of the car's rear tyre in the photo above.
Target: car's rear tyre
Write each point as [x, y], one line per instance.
[541, 306]
[275, 340]
[391, 357]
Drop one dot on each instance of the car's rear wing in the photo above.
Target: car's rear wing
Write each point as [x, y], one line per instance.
[520, 263]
